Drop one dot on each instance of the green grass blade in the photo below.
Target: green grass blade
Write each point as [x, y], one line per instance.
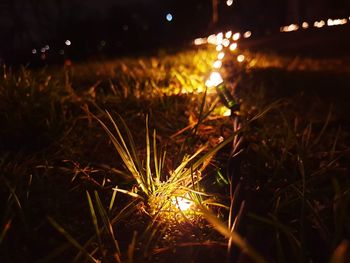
[71, 240]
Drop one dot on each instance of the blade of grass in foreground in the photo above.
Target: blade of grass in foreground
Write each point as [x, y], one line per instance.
[236, 239]
[71, 240]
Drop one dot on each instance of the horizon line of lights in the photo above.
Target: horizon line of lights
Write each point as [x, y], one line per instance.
[316, 24]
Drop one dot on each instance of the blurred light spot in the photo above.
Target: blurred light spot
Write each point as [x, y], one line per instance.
[182, 203]
[169, 17]
[214, 80]
[236, 36]
[233, 46]
[336, 22]
[217, 64]
[200, 41]
[221, 55]
[240, 58]
[219, 48]
[228, 34]
[227, 113]
[226, 42]
[34, 51]
[319, 24]
[68, 42]
[305, 25]
[47, 47]
[290, 28]
[43, 50]
[247, 34]
[229, 2]
[212, 39]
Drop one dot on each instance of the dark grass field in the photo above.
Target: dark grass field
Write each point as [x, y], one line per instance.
[293, 172]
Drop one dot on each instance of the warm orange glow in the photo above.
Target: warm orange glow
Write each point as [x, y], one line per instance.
[240, 58]
[233, 46]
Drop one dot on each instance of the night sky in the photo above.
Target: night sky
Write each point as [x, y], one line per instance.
[117, 26]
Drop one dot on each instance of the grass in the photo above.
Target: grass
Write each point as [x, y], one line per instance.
[82, 184]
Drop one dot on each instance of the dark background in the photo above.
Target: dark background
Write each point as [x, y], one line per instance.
[117, 27]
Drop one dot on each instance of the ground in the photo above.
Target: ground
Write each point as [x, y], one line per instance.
[59, 169]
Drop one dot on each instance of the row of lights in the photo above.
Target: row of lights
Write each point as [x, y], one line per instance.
[316, 24]
[47, 48]
[222, 42]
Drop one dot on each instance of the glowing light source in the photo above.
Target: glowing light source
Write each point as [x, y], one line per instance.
[247, 34]
[221, 55]
[43, 50]
[212, 39]
[240, 58]
[305, 25]
[226, 42]
[182, 203]
[169, 17]
[336, 22]
[228, 34]
[219, 38]
[233, 46]
[290, 28]
[236, 36]
[214, 80]
[227, 113]
[34, 51]
[229, 2]
[200, 41]
[47, 47]
[68, 42]
[319, 24]
[219, 48]
[217, 64]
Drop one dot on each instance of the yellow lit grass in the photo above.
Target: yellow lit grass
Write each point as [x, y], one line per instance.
[162, 190]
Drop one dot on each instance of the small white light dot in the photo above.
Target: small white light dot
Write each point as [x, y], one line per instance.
[221, 55]
[219, 48]
[233, 46]
[229, 2]
[236, 36]
[217, 64]
[169, 17]
[34, 51]
[247, 34]
[47, 47]
[68, 42]
[43, 50]
[240, 58]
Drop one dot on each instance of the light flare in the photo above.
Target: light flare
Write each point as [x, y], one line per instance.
[214, 80]
[233, 46]
[236, 36]
[240, 58]
[247, 34]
